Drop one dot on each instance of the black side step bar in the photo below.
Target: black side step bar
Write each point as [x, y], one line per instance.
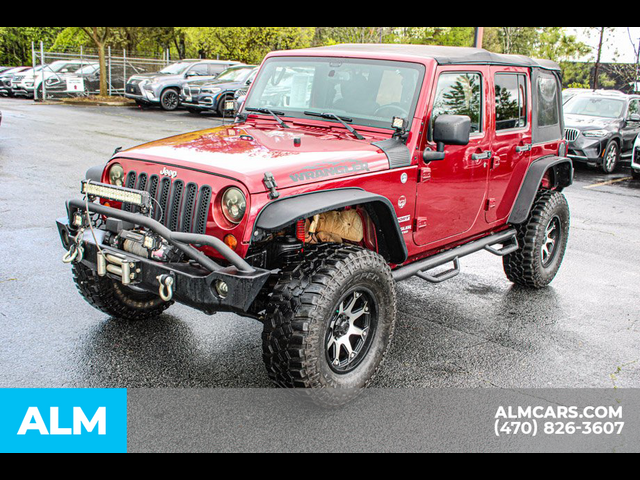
[508, 239]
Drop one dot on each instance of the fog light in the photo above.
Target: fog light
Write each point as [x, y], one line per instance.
[78, 220]
[231, 242]
[222, 288]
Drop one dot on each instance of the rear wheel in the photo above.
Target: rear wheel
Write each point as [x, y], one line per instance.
[330, 322]
[543, 241]
[170, 100]
[116, 300]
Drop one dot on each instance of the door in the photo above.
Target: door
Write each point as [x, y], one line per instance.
[451, 193]
[631, 129]
[512, 141]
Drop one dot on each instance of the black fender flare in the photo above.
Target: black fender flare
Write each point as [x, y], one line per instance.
[287, 211]
[562, 177]
[95, 173]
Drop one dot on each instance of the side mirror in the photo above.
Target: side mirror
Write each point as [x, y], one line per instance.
[449, 130]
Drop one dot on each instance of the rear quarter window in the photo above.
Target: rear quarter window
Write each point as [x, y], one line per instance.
[548, 102]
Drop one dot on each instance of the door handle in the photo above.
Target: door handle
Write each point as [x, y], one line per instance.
[482, 156]
[524, 148]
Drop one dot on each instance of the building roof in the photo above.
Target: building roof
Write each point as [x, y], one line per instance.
[442, 55]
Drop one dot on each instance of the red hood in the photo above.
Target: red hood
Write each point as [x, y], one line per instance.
[246, 153]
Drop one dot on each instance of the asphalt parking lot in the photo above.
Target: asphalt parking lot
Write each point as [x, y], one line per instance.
[477, 331]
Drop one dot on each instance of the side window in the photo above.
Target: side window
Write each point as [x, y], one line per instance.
[460, 94]
[548, 108]
[200, 70]
[215, 69]
[634, 107]
[511, 101]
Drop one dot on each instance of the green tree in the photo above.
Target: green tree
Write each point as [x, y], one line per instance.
[101, 37]
[15, 42]
[246, 44]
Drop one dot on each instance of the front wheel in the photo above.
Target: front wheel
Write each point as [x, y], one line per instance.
[170, 100]
[330, 322]
[611, 158]
[543, 241]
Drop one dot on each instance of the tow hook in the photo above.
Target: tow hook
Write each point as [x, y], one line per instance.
[76, 250]
[166, 287]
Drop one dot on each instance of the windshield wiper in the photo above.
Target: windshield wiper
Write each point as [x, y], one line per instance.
[342, 120]
[268, 111]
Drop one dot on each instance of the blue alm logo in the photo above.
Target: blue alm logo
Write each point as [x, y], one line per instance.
[63, 421]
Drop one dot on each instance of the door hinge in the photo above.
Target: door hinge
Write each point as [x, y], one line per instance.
[425, 175]
[421, 223]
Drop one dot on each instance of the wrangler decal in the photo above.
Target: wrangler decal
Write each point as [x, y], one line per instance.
[330, 170]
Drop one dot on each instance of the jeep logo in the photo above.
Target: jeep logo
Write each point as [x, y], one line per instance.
[169, 173]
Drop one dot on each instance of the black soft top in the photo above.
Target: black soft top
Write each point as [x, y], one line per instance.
[445, 55]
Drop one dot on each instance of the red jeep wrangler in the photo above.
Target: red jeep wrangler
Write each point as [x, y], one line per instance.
[349, 169]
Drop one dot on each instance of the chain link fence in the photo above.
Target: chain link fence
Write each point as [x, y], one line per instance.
[77, 73]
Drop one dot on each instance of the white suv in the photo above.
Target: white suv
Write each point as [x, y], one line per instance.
[51, 74]
[635, 162]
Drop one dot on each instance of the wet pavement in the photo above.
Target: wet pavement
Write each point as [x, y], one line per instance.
[475, 331]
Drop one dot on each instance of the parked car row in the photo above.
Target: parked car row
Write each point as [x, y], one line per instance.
[164, 88]
[213, 95]
[602, 127]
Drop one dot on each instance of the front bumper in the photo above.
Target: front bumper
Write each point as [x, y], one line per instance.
[202, 102]
[635, 161]
[194, 283]
[22, 92]
[141, 95]
[588, 150]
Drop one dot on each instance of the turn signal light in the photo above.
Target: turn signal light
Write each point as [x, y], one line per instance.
[231, 242]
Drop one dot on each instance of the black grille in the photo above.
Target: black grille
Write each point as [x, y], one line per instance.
[571, 134]
[179, 207]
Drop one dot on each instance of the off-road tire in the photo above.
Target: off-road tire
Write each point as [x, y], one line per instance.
[613, 151]
[526, 267]
[300, 313]
[170, 100]
[115, 300]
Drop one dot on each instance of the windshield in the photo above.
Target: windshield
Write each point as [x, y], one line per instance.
[234, 75]
[57, 67]
[89, 69]
[595, 107]
[366, 92]
[13, 71]
[176, 69]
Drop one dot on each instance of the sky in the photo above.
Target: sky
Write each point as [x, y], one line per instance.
[618, 43]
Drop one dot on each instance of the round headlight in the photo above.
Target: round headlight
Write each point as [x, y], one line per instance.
[234, 205]
[116, 175]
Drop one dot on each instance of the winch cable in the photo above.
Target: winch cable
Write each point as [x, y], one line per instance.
[93, 233]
